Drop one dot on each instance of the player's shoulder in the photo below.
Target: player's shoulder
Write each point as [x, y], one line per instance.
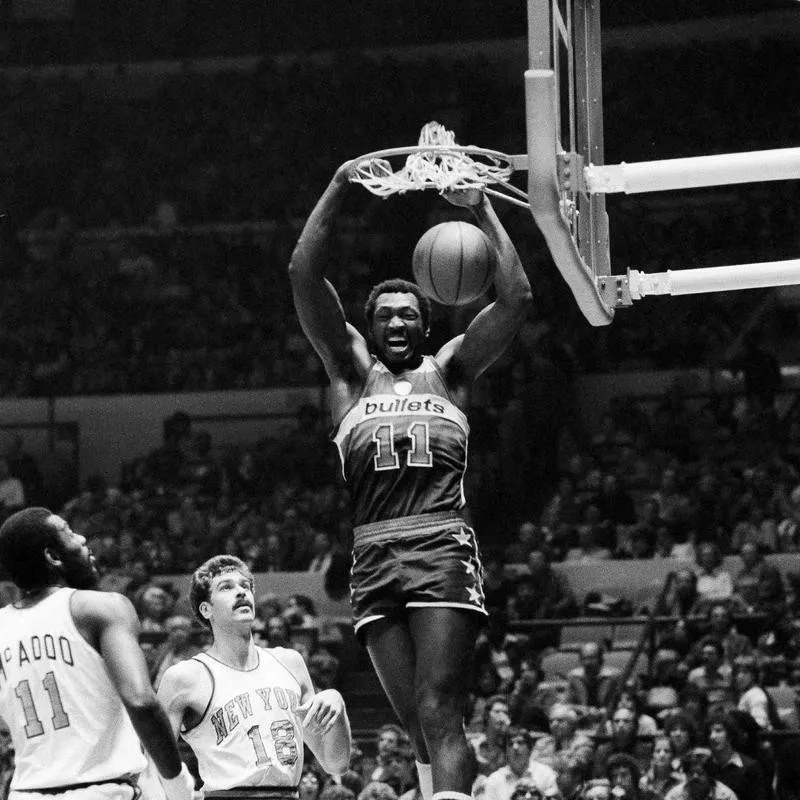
[185, 677]
[292, 661]
[89, 604]
[287, 656]
[447, 353]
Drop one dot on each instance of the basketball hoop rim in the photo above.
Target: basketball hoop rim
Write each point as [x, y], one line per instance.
[433, 149]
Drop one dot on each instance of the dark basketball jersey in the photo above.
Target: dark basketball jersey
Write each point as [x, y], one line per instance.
[403, 445]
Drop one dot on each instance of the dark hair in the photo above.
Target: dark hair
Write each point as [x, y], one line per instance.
[517, 732]
[710, 641]
[493, 700]
[397, 285]
[525, 789]
[629, 691]
[353, 781]
[624, 760]
[204, 575]
[305, 602]
[692, 692]
[334, 791]
[726, 722]
[24, 536]
[697, 756]
[677, 719]
[712, 548]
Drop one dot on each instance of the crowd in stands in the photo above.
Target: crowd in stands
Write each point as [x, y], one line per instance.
[153, 303]
[675, 481]
[173, 307]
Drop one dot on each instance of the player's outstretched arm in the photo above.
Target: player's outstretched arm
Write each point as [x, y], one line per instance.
[493, 329]
[323, 716]
[114, 626]
[317, 304]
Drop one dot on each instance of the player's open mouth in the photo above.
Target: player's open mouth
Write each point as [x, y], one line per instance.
[396, 343]
[243, 604]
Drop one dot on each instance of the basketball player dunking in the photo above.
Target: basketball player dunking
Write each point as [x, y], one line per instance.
[402, 435]
[246, 711]
[73, 677]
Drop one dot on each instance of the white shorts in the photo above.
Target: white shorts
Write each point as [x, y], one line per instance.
[95, 791]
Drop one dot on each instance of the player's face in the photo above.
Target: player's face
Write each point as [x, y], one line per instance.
[77, 562]
[231, 599]
[397, 329]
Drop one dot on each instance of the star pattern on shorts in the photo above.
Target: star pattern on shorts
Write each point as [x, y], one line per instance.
[462, 537]
[474, 595]
[469, 567]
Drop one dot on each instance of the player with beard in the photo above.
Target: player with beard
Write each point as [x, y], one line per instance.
[74, 686]
[402, 432]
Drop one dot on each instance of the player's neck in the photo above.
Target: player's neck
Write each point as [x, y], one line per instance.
[30, 597]
[235, 649]
[397, 368]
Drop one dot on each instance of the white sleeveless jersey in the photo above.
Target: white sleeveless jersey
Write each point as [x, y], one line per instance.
[67, 722]
[249, 734]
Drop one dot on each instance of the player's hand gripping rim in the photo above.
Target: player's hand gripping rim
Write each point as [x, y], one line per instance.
[466, 198]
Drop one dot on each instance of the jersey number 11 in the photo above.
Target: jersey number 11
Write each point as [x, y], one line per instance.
[33, 725]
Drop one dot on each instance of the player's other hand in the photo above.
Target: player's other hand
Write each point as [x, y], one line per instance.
[181, 787]
[466, 198]
[320, 712]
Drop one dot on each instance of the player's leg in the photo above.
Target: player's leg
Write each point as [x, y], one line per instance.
[447, 638]
[391, 650]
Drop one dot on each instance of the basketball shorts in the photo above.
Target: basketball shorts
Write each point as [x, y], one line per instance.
[111, 790]
[428, 560]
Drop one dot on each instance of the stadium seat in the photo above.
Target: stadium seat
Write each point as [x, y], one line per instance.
[556, 665]
[626, 637]
[620, 659]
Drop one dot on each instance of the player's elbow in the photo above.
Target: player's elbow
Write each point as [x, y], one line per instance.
[140, 700]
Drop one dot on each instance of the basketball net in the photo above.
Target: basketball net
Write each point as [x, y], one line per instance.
[437, 162]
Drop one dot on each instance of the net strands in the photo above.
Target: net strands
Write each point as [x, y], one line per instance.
[437, 162]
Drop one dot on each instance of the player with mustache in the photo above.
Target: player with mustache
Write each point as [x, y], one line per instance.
[246, 711]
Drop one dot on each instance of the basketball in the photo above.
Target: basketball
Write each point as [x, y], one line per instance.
[454, 263]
